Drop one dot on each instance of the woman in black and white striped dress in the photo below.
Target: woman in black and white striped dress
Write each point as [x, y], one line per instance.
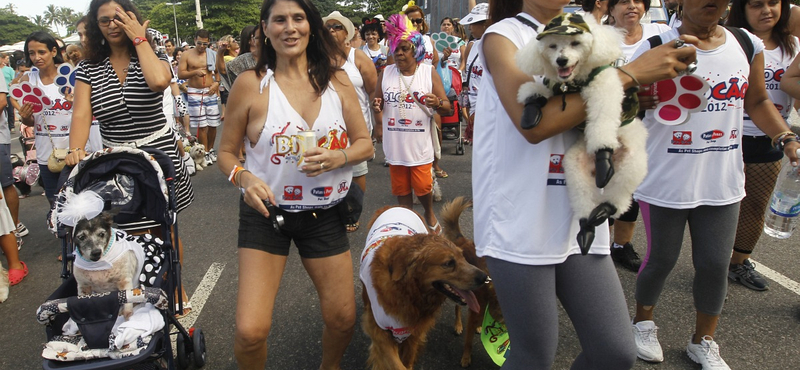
[121, 84]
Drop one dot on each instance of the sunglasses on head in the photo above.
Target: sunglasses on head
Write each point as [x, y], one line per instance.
[337, 27]
[417, 20]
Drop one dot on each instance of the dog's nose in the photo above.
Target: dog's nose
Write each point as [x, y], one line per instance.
[561, 61]
[482, 278]
[95, 256]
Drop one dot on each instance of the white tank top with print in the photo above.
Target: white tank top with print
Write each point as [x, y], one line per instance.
[275, 157]
[406, 123]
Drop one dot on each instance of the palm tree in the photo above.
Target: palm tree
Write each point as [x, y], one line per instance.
[40, 22]
[52, 15]
[67, 17]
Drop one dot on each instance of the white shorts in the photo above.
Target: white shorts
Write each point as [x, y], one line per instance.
[203, 108]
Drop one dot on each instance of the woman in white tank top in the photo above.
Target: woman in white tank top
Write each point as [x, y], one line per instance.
[364, 76]
[268, 109]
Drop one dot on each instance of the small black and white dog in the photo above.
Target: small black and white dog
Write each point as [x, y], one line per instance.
[104, 262]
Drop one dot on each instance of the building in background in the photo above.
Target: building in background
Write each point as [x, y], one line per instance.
[435, 10]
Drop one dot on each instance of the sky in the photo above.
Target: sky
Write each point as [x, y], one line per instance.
[30, 8]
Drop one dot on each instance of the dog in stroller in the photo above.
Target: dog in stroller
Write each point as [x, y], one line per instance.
[138, 185]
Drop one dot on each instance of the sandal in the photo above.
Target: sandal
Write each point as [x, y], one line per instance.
[351, 228]
[187, 309]
[15, 276]
[436, 229]
[441, 174]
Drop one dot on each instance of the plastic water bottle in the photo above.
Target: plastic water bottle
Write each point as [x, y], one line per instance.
[784, 207]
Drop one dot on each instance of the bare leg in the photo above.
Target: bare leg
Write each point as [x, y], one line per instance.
[427, 204]
[406, 201]
[12, 200]
[211, 137]
[333, 278]
[645, 313]
[705, 325]
[202, 136]
[8, 243]
[623, 231]
[259, 279]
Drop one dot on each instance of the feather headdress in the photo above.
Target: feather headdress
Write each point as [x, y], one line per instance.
[398, 29]
[84, 205]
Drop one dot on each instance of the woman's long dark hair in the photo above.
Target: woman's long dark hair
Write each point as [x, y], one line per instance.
[46, 39]
[248, 32]
[502, 9]
[780, 32]
[97, 48]
[320, 52]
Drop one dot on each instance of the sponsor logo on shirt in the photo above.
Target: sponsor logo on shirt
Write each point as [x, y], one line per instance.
[343, 187]
[391, 121]
[711, 136]
[734, 134]
[405, 122]
[322, 191]
[555, 163]
[293, 192]
[681, 137]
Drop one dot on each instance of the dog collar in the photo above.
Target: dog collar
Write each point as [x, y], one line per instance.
[105, 251]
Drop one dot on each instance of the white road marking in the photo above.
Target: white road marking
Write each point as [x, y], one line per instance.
[778, 278]
[200, 296]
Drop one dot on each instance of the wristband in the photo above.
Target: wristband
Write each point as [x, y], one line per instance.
[345, 157]
[232, 175]
[237, 177]
[74, 150]
[787, 140]
[138, 40]
[779, 137]
[629, 75]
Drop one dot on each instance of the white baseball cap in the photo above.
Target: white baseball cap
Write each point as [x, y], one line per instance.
[478, 14]
[380, 17]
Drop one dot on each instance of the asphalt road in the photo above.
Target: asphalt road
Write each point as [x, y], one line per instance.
[758, 330]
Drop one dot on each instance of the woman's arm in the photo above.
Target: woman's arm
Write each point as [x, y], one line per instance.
[81, 122]
[377, 109]
[155, 75]
[790, 83]
[463, 57]
[762, 111]
[437, 100]
[368, 73]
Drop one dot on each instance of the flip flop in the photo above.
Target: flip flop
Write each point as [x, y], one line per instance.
[351, 228]
[15, 276]
[436, 229]
[441, 174]
[187, 309]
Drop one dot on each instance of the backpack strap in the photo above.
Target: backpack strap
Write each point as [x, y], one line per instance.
[527, 22]
[744, 41]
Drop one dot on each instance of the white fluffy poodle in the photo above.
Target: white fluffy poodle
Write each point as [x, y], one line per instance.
[608, 161]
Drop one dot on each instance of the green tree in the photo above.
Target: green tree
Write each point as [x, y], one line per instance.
[40, 22]
[67, 17]
[52, 16]
[15, 27]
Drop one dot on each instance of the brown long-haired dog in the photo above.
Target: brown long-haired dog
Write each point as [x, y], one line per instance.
[412, 274]
[451, 212]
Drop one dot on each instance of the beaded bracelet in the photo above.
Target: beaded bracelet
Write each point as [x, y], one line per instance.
[779, 137]
[345, 157]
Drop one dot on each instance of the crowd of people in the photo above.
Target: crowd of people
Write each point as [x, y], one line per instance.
[296, 72]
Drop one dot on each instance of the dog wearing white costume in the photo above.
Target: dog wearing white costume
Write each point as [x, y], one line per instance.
[608, 162]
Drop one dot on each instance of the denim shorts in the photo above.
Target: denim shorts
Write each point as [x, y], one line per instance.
[317, 234]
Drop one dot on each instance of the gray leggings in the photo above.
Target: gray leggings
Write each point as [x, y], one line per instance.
[712, 230]
[589, 290]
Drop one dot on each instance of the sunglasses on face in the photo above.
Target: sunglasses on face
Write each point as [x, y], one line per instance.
[337, 27]
[417, 20]
[105, 21]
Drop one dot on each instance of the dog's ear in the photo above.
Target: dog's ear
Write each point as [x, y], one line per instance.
[402, 263]
[605, 44]
[529, 58]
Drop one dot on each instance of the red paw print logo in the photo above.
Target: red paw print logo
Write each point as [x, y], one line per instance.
[27, 93]
[679, 98]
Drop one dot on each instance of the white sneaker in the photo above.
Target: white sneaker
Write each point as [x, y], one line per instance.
[706, 353]
[213, 154]
[647, 346]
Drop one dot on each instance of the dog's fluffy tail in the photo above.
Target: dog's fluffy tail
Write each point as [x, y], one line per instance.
[451, 212]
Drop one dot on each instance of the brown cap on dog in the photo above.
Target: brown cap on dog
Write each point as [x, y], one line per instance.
[565, 24]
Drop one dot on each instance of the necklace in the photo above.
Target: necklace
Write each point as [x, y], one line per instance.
[405, 93]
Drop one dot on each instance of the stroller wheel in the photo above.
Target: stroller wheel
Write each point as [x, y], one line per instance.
[460, 147]
[182, 352]
[199, 341]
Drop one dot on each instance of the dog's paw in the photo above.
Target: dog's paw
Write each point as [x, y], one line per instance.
[126, 311]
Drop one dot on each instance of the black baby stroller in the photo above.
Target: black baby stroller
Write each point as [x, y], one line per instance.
[138, 184]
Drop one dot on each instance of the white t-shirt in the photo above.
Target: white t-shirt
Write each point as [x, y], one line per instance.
[648, 30]
[428, 59]
[776, 62]
[406, 124]
[275, 158]
[397, 221]
[700, 162]
[57, 120]
[522, 209]
[474, 74]
[454, 60]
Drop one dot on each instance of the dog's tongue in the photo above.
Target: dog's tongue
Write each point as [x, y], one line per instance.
[469, 296]
[565, 72]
